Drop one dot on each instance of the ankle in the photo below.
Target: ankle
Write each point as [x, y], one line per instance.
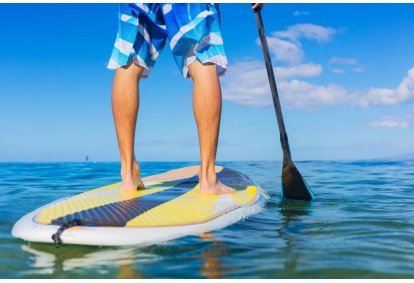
[130, 173]
[207, 178]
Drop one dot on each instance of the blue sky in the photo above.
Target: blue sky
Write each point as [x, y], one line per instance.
[345, 74]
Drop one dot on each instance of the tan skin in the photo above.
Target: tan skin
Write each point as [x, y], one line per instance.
[258, 5]
[207, 103]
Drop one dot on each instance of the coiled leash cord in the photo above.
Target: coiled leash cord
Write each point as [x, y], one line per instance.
[56, 237]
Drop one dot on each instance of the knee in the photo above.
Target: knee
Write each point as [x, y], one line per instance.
[130, 72]
[199, 70]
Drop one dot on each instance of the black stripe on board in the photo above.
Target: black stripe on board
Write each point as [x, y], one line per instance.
[117, 214]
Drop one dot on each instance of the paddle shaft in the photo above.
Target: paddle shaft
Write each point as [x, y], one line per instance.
[293, 184]
[273, 88]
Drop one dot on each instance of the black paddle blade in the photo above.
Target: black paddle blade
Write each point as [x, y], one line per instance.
[293, 184]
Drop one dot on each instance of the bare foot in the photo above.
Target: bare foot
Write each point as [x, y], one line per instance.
[132, 182]
[217, 189]
[209, 185]
[132, 185]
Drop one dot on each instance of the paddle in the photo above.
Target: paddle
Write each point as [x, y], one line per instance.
[293, 184]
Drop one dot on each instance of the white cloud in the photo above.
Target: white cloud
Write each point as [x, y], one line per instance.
[301, 13]
[302, 95]
[338, 71]
[247, 82]
[285, 45]
[343, 61]
[303, 70]
[384, 96]
[389, 122]
[310, 31]
[284, 50]
[358, 69]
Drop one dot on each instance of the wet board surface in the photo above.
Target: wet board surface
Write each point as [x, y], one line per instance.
[169, 207]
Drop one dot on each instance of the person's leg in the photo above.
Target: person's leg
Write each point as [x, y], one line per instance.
[207, 112]
[125, 104]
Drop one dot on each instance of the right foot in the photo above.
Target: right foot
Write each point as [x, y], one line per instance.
[218, 189]
[211, 186]
[133, 181]
[132, 185]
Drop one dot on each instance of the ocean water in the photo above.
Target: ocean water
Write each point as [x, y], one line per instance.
[360, 226]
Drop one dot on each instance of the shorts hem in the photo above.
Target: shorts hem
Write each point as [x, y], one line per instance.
[113, 65]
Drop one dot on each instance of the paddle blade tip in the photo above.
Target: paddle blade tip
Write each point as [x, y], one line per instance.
[295, 187]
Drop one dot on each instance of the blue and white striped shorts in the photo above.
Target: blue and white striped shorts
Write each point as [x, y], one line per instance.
[193, 31]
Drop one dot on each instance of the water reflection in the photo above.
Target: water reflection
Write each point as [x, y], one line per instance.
[211, 264]
[291, 229]
[125, 262]
[49, 260]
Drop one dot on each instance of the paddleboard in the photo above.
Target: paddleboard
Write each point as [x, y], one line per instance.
[169, 207]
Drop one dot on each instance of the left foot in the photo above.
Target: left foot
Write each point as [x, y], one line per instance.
[132, 182]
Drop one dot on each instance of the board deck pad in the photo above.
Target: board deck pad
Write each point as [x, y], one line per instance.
[168, 203]
[169, 200]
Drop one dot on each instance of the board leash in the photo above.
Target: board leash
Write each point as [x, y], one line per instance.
[56, 237]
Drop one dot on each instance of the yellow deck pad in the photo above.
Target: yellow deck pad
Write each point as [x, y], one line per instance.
[193, 207]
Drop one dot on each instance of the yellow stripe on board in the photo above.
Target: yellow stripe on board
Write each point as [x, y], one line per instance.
[190, 208]
[97, 197]
[246, 196]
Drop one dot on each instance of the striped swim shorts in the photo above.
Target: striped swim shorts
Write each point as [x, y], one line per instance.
[193, 31]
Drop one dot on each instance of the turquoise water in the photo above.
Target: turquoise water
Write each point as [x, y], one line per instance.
[361, 226]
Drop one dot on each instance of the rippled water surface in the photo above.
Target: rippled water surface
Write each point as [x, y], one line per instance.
[360, 226]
